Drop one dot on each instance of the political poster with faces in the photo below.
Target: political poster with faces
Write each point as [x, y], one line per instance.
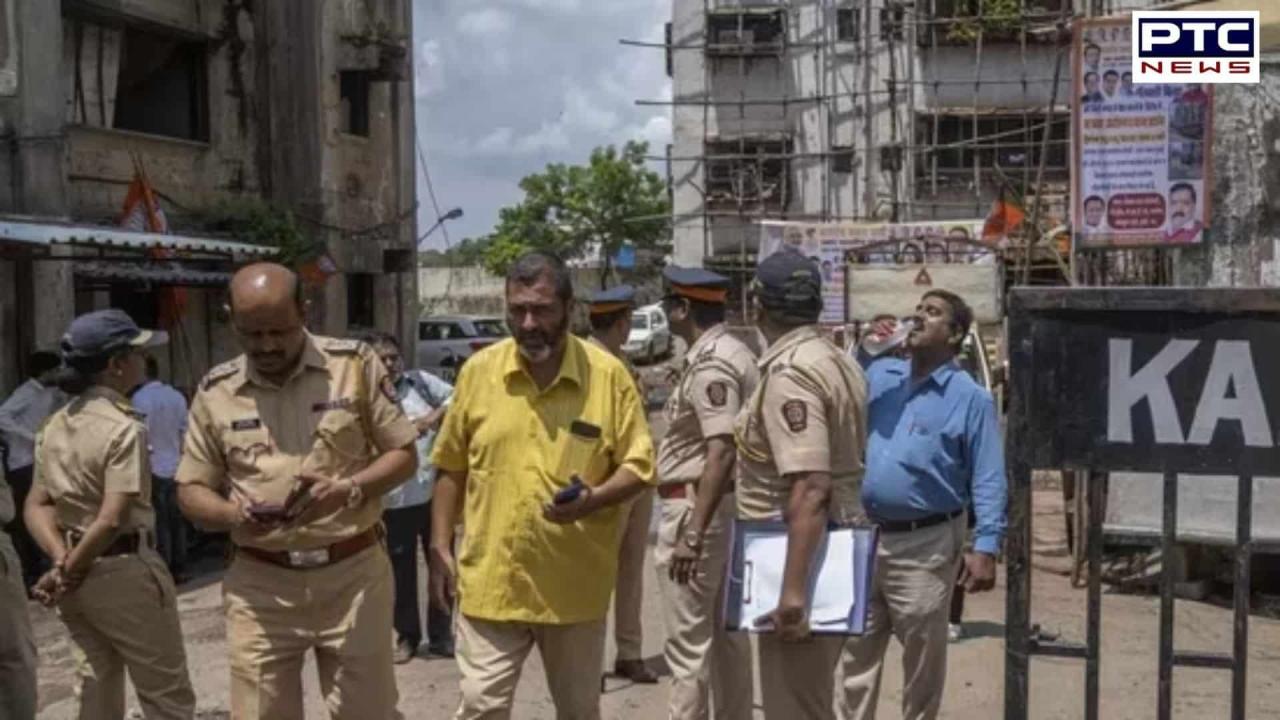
[1142, 164]
[835, 246]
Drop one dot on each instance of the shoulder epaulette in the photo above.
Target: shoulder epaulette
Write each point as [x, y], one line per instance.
[220, 372]
[128, 409]
[342, 346]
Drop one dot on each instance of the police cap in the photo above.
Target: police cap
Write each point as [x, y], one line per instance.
[697, 284]
[619, 297]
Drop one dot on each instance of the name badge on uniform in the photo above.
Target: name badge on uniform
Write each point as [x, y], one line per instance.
[335, 404]
[246, 424]
[584, 429]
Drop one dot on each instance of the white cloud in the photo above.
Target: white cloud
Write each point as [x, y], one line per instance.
[555, 5]
[547, 138]
[489, 23]
[585, 112]
[496, 142]
[428, 74]
[656, 132]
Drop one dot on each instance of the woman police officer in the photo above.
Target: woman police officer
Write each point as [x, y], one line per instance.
[89, 509]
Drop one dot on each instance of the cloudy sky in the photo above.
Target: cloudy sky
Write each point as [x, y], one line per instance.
[504, 87]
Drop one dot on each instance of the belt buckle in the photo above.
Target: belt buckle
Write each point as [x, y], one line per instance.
[307, 559]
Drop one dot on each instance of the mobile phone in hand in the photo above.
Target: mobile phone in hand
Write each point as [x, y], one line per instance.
[571, 493]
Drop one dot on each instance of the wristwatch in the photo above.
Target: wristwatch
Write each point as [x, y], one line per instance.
[692, 539]
[355, 496]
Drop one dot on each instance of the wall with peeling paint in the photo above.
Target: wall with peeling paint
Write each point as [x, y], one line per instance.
[1243, 245]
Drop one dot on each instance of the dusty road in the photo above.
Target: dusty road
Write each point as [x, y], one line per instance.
[429, 687]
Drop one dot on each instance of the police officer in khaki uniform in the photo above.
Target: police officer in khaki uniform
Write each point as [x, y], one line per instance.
[610, 315]
[695, 484]
[800, 444]
[17, 645]
[90, 511]
[291, 446]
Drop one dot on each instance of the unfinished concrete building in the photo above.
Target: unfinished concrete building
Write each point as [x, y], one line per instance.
[306, 105]
[882, 110]
[857, 110]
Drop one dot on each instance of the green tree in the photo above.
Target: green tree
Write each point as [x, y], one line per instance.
[573, 209]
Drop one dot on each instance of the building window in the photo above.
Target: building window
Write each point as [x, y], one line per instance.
[162, 86]
[360, 300]
[847, 24]
[842, 159]
[746, 32]
[1010, 141]
[748, 171]
[893, 19]
[354, 88]
[666, 34]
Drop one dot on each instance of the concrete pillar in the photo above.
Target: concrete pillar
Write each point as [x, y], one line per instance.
[40, 176]
[9, 349]
[1242, 247]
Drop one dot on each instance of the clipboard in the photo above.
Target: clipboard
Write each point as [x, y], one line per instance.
[839, 588]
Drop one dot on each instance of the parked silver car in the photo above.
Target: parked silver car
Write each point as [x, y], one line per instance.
[446, 341]
[650, 336]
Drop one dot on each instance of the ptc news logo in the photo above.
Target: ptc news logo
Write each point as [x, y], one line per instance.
[1196, 46]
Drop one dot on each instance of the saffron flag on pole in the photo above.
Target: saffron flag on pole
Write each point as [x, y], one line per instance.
[142, 213]
[1005, 217]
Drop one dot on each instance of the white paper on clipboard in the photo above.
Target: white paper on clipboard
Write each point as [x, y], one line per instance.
[838, 589]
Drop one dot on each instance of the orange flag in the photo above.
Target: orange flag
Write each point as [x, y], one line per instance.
[142, 213]
[1005, 217]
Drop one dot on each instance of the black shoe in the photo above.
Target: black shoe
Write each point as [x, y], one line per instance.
[444, 650]
[635, 671]
[404, 652]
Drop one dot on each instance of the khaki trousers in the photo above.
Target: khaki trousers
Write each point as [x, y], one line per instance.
[124, 616]
[342, 611]
[492, 654]
[629, 589]
[705, 660]
[17, 645]
[911, 597]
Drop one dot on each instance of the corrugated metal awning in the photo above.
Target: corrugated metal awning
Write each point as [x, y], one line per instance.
[155, 274]
[35, 232]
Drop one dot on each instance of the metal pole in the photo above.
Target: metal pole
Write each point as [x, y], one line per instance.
[1168, 547]
[1096, 496]
[1244, 555]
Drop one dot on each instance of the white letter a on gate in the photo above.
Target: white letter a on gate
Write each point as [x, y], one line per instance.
[1124, 390]
[1232, 367]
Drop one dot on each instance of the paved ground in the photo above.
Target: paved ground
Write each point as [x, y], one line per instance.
[429, 687]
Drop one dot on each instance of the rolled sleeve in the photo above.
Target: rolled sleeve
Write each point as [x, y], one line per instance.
[126, 464]
[202, 458]
[795, 420]
[990, 483]
[388, 426]
[452, 443]
[633, 445]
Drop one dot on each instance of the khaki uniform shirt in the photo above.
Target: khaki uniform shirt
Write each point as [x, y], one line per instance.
[808, 414]
[332, 417]
[95, 445]
[717, 376]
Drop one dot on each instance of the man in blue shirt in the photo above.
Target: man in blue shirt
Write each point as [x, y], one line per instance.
[933, 450]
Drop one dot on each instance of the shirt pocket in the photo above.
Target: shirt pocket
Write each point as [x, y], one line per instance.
[245, 450]
[586, 452]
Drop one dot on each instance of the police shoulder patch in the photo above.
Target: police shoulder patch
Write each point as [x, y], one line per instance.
[220, 372]
[796, 415]
[718, 393]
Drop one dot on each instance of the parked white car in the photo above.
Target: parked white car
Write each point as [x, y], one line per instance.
[650, 336]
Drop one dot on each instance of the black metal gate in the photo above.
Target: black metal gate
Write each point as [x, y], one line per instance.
[1145, 380]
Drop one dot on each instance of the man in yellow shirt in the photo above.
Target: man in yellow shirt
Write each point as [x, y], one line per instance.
[543, 445]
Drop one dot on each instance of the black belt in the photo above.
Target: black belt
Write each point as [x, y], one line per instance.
[898, 526]
[123, 545]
